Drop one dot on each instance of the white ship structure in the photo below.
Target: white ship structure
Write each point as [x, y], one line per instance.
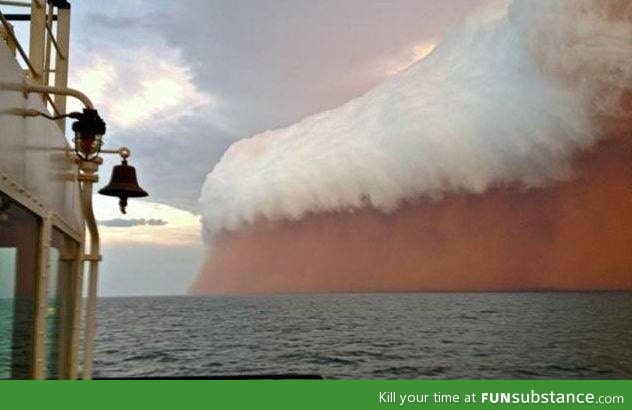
[49, 241]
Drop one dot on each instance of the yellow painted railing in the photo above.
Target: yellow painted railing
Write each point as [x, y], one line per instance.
[40, 62]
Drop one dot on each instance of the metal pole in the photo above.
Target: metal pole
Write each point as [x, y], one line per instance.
[73, 364]
[61, 61]
[88, 177]
[27, 88]
[48, 44]
[36, 40]
[15, 3]
[46, 231]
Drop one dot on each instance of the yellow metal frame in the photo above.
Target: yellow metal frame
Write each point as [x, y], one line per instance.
[48, 221]
[41, 43]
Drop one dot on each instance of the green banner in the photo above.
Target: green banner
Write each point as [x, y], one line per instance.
[326, 394]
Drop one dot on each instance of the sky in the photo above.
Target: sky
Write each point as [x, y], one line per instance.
[178, 82]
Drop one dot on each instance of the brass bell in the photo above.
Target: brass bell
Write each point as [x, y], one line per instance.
[123, 184]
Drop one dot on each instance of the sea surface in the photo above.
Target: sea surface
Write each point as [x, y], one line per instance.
[369, 336]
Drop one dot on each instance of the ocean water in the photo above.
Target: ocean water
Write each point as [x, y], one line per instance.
[369, 336]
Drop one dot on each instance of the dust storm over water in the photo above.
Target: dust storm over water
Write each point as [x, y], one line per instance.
[501, 161]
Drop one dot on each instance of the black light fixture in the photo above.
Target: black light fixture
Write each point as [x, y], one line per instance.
[123, 182]
[89, 130]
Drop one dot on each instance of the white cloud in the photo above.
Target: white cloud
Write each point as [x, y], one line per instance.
[485, 108]
[180, 228]
[141, 86]
[410, 57]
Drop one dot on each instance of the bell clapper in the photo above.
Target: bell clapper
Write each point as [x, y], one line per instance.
[123, 204]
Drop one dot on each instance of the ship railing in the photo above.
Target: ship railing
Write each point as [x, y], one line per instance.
[41, 49]
[42, 41]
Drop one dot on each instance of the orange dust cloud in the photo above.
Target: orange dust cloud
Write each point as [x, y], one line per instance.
[574, 235]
